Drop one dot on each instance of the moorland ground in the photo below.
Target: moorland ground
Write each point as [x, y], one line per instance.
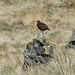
[18, 27]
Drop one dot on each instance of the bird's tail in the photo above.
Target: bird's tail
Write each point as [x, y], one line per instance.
[48, 29]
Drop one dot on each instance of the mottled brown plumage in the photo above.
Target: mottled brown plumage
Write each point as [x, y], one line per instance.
[42, 26]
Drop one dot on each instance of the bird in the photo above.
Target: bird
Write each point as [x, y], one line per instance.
[42, 26]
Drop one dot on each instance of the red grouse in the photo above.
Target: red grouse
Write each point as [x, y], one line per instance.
[42, 26]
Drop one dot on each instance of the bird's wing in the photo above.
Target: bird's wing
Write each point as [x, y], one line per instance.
[44, 26]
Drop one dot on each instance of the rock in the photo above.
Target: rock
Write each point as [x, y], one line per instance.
[28, 62]
[42, 38]
[29, 46]
[42, 59]
[48, 51]
[33, 55]
[26, 55]
[71, 43]
[37, 52]
[36, 42]
[33, 51]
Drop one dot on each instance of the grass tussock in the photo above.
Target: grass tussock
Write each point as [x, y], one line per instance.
[69, 3]
[60, 65]
[3, 47]
[5, 27]
[7, 70]
[18, 27]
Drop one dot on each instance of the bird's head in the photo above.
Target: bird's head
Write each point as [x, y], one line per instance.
[38, 20]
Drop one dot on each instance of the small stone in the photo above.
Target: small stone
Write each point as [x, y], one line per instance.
[29, 46]
[26, 54]
[42, 38]
[41, 59]
[27, 61]
[26, 51]
[33, 54]
[36, 42]
[33, 51]
[48, 50]
[39, 50]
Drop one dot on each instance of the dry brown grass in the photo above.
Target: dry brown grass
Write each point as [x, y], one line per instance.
[18, 27]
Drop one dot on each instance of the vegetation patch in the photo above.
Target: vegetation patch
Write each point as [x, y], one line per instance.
[7, 70]
[4, 26]
[3, 47]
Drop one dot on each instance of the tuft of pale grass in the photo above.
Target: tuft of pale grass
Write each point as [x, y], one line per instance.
[69, 3]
